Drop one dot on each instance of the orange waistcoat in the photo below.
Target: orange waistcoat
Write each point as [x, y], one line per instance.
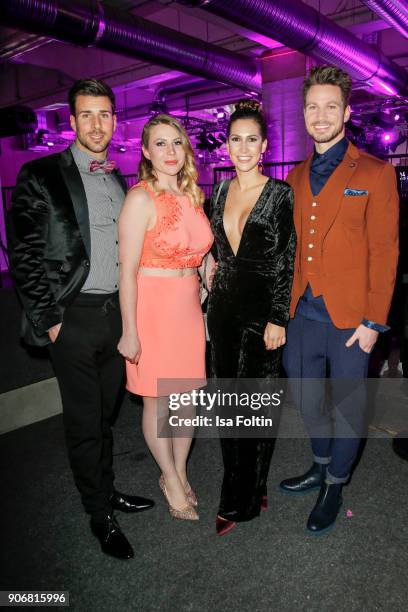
[347, 245]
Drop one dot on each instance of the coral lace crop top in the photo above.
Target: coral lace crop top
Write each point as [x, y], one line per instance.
[181, 235]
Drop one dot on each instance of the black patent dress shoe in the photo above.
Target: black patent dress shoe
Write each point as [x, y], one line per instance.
[113, 542]
[400, 445]
[130, 503]
[310, 481]
[324, 514]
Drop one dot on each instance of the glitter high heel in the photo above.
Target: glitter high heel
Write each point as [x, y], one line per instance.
[191, 496]
[187, 513]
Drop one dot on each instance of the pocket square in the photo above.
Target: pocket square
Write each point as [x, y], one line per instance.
[355, 192]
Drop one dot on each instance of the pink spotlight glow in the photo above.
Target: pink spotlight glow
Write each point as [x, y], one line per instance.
[387, 137]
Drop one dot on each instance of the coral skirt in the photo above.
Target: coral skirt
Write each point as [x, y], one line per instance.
[172, 337]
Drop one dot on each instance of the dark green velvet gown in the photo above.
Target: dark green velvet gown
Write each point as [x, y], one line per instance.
[249, 290]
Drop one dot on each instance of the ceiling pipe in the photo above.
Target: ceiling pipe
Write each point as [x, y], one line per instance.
[304, 29]
[394, 12]
[188, 86]
[89, 23]
[20, 43]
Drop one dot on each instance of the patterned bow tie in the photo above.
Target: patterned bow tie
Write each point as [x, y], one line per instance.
[106, 166]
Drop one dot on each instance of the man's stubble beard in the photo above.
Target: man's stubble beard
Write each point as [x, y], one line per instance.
[90, 146]
[328, 138]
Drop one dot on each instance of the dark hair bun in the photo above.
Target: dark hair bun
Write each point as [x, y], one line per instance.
[248, 108]
[248, 104]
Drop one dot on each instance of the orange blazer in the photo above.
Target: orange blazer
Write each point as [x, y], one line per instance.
[356, 251]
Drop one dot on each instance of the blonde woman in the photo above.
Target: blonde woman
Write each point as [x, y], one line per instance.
[163, 237]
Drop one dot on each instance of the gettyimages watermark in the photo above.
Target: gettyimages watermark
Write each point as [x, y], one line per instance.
[280, 407]
[228, 408]
[220, 398]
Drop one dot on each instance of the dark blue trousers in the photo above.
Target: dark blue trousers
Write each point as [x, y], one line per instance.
[328, 386]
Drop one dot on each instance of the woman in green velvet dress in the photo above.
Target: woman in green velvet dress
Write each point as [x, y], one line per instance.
[252, 221]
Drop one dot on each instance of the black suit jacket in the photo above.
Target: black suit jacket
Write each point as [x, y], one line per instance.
[49, 240]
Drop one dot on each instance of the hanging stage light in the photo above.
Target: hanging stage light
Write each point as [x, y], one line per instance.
[158, 107]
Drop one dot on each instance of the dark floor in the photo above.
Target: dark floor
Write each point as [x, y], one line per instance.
[267, 564]
[20, 365]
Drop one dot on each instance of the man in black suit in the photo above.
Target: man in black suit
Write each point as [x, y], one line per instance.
[64, 259]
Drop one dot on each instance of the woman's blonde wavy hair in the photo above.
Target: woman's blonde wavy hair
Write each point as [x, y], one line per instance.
[187, 177]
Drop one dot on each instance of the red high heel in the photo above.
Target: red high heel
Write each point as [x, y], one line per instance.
[223, 526]
[264, 502]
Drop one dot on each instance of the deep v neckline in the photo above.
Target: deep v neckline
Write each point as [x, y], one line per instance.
[235, 255]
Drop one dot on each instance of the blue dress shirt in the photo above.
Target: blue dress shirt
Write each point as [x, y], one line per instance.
[324, 164]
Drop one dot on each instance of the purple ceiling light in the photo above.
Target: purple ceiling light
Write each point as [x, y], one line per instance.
[394, 12]
[89, 23]
[301, 27]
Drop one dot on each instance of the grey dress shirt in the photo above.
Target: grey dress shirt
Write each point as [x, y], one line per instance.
[105, 198]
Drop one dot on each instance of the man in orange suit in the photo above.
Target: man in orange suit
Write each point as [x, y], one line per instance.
[346, 217]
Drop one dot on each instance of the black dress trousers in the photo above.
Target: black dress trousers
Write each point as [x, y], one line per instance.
[90, 374]
[238, 351]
